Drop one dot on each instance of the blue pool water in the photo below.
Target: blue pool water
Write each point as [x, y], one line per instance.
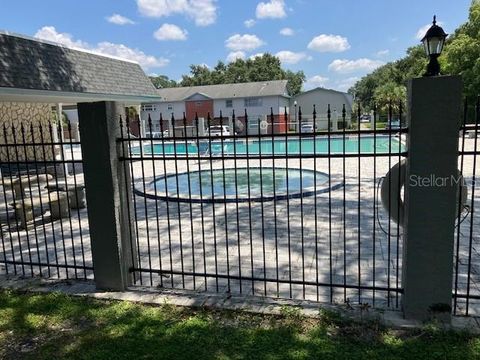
[241, 184]
[292, 146]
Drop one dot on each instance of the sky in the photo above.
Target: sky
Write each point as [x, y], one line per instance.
[334, 42]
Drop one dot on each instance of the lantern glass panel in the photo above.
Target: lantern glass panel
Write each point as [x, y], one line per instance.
[433, 46]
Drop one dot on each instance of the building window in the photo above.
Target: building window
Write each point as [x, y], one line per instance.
[169, 107]
[198, 103]
[253, 102]
[228, 103]
[148, 107]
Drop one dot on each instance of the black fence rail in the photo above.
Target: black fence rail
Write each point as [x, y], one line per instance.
[283, 214]
[43, 218]
[466, 289]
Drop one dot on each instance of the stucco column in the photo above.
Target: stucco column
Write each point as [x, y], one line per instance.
[434, 117]
[201, 126]
[62, 169]
[334, 120]
[106, 182]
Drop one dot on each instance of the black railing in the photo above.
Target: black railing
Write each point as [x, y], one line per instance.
[466, 291]
[43, 218]
[275, 213]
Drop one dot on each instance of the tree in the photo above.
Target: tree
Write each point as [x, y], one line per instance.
[396, 73]
[390, 96]
[295, 82]
[261, 68]
[462, 53]
[461, 56]
[162, 81]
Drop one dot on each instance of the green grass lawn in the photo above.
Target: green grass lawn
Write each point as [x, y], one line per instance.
[53, 326]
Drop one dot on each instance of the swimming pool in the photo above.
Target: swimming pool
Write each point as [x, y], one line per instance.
[292, 146]
[238, 185]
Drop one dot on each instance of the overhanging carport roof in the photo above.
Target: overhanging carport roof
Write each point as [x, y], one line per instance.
[38, 71]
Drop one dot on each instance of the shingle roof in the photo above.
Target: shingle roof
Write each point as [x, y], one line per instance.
[30, 64]
[227, 91]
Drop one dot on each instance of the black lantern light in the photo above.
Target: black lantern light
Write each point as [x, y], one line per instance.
[433, 42]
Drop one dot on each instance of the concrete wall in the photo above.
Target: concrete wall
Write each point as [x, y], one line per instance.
[36, 114]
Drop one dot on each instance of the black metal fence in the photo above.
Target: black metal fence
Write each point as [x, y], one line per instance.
[286, 214]
[466, 291]
[294, 214]
[43, 217]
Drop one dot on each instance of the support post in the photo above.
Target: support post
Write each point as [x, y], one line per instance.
[62, 169]
[334, 120]
[201, 126]
[106, 182]
[230, 124]
[434, 117]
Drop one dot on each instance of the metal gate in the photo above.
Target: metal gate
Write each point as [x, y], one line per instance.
[292, 214]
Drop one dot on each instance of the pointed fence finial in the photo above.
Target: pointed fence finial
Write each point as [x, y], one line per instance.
[149, 123]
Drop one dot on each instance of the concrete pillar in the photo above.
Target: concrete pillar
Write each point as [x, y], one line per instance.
[201, 126]
[76, 131]
[434, 116]
[230, 125]
[62, 169]
[106, 193]
[334, 120]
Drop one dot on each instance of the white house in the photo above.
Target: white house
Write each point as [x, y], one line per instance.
[219, 102]
[322, 98]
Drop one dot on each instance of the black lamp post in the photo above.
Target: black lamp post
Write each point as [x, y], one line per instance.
[433, 42]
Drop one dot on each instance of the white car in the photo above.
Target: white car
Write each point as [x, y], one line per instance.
[306, 128]
[218, 130]
[157, 134]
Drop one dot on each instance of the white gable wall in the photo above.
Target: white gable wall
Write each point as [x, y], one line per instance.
[321, 98]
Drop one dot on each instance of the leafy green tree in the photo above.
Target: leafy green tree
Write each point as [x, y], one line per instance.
[390, 95]
[462, 52]
[162, 81]
[261, 68]
[396, 73]
[461, 56]
[295, 81]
